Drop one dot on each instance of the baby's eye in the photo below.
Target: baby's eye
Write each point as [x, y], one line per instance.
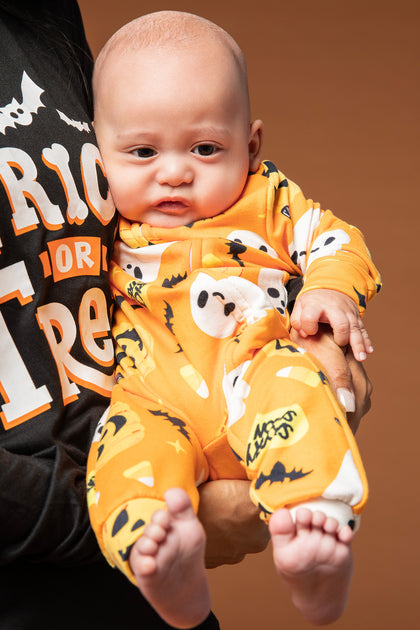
[144, 152]
[205, 150]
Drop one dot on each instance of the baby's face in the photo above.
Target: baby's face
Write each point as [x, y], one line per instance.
[174, 133]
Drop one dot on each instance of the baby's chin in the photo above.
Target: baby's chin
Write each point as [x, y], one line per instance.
[171, 215]
[164, 219]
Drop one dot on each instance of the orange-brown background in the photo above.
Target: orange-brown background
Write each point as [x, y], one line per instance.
[337, 85]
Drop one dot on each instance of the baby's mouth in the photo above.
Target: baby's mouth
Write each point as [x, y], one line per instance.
[172, 206]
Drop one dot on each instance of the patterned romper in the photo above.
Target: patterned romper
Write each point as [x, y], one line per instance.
[209, 384]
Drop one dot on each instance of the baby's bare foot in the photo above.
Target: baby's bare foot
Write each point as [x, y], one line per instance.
[168, 563]
[315, 561]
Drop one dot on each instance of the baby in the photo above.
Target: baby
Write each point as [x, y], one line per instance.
[209, 384]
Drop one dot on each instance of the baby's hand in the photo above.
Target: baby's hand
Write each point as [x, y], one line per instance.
[339, 311]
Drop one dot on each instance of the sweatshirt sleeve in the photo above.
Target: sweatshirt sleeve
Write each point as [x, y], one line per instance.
[45, 517]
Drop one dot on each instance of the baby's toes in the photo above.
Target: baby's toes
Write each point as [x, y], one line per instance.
[282, 527]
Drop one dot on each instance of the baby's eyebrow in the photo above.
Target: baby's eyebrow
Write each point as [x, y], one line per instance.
[211, 130]
[133, 134]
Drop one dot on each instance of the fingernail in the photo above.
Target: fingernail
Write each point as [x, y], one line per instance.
[347, 399]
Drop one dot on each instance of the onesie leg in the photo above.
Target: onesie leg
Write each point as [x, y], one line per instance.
[141, 451]
[292, 435]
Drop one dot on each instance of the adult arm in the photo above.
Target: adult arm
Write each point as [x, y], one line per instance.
[232, 522]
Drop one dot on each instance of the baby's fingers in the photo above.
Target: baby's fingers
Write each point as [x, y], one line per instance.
[350, 330]
[305, 318]
[359, 340]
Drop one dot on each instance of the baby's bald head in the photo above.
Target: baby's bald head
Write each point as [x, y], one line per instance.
[172, 116]
[173, 32]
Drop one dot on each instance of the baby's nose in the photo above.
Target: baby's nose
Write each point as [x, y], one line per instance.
[175, 170]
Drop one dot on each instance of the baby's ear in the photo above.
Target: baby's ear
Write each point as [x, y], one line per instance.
[256, 133]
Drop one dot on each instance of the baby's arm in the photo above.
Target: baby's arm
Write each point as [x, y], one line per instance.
[339, 311]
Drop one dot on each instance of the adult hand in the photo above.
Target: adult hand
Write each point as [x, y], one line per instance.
[231, 521]
[346, 375]
[362, 388]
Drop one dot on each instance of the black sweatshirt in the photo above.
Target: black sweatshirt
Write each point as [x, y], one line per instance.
[56, 357]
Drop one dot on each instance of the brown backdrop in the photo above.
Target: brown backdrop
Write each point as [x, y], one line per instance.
[337, 85]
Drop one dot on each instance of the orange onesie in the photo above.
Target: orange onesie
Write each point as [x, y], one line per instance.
[209, 384]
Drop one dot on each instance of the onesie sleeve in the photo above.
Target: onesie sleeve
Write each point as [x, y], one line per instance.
[328, 252]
